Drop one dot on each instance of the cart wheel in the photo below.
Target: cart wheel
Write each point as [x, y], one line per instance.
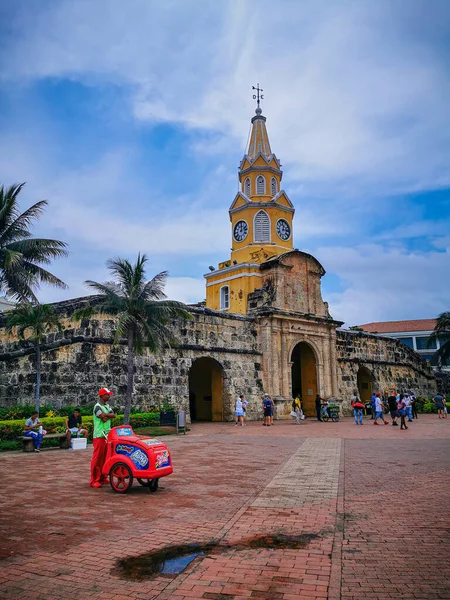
[335, 418]
[325, 418]
[121, 478]
[153, 485]
[143, 482]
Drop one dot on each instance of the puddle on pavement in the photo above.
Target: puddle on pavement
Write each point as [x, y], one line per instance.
[173, 560]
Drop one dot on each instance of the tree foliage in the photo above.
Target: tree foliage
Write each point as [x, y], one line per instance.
[442, 332]
[21, 255]
[38, 320]
[142, 310]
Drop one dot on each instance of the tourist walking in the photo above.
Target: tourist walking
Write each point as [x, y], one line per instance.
[244, 408]
[379, 409]
[373, 408]
[239, 410]
[267, 406]
[445, 405]
[401, 408]
[103, 414]
[357, 406]
[408, 406]
[439, 402]
[392, 405]
[413, 405]
[297, 408]
[318, 404]
[33, 429]
[272, 410]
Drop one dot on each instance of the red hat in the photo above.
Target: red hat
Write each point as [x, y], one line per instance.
[105, 392]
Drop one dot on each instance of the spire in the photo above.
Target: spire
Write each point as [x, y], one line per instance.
[259, 140]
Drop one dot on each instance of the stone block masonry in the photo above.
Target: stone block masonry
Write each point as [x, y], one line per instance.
[254, 353]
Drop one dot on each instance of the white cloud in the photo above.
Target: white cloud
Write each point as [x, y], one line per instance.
[387, 283]
[350, 92]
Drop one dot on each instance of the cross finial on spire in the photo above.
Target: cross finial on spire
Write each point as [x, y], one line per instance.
[258, 97]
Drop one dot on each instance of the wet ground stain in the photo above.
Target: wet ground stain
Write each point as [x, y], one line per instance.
[173, 560]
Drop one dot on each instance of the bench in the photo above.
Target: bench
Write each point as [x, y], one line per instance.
[28, 446]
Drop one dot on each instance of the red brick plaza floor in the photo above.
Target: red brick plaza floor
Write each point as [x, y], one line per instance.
[374, 502]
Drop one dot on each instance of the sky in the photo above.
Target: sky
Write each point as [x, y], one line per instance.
[131, 118]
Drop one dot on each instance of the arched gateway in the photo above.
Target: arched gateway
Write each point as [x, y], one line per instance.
[304, 376]
[206, 390]
[365, 381]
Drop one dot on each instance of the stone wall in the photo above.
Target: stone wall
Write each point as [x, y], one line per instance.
[254, 353]
[392, 365]
[78, 361]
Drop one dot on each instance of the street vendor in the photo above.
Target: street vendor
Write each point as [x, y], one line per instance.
[103, 414]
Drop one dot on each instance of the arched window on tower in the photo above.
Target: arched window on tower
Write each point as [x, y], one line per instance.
[260, 185]
[273, 186]
[224, 297]
[261, 227]
[247, 188]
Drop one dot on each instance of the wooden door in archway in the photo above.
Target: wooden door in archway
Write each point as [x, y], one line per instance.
[365, 384]
[206, 390]
[304, 376]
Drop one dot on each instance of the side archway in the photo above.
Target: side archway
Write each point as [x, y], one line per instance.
[365, 381]
[304, 376]
[206, 390]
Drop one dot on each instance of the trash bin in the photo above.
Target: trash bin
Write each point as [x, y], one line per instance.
[181, 422]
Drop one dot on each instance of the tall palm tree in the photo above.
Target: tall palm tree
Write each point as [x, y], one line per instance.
[21, 255]
[143, 312]
[441, 331]
[39, 319]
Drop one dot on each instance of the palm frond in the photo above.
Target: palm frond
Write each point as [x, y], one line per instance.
[154, 289]
[38, 318]
[86, 312]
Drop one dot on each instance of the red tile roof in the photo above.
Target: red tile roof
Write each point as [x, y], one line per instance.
[399, 326]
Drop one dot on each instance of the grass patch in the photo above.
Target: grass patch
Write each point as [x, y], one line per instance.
[155, 431]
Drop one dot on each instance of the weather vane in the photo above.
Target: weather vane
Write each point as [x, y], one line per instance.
[258, 96]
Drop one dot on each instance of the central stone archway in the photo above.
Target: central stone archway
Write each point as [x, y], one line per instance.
[206, 390]
[304, 376]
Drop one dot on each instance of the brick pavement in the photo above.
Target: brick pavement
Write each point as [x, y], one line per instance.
[373, 500]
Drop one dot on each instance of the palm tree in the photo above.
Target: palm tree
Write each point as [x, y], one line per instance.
[143, 312]
[441, 331]
[21, 255]
[40, 319]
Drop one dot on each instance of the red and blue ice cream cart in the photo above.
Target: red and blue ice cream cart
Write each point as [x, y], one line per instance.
[130, 456]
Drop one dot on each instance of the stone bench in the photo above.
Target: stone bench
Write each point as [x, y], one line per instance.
[28, 446]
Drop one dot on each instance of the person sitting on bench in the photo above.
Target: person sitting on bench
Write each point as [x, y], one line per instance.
[33, 429]
[73, 424]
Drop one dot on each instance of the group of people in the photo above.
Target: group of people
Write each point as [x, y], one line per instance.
[240, 410]
[400, 405]
[102, 417]
[33, 428]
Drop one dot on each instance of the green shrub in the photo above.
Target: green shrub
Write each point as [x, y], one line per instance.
[10, 429]
[429, 407]
[23, 411]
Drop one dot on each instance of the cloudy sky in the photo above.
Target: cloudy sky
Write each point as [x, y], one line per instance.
[131, 118]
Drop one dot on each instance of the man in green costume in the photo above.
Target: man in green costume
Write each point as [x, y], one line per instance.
[103, 414]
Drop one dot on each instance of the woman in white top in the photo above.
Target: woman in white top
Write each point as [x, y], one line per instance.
[239, 410]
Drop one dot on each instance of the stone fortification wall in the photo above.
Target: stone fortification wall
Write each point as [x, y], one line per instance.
[252, 352]
[76, 362]
[391, 364]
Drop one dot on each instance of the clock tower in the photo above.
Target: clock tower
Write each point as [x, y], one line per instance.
[261, 217]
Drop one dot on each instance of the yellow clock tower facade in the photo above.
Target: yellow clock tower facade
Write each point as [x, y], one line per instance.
[261, 218]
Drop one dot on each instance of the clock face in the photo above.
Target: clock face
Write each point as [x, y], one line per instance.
[240, 231]
[283, 229]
